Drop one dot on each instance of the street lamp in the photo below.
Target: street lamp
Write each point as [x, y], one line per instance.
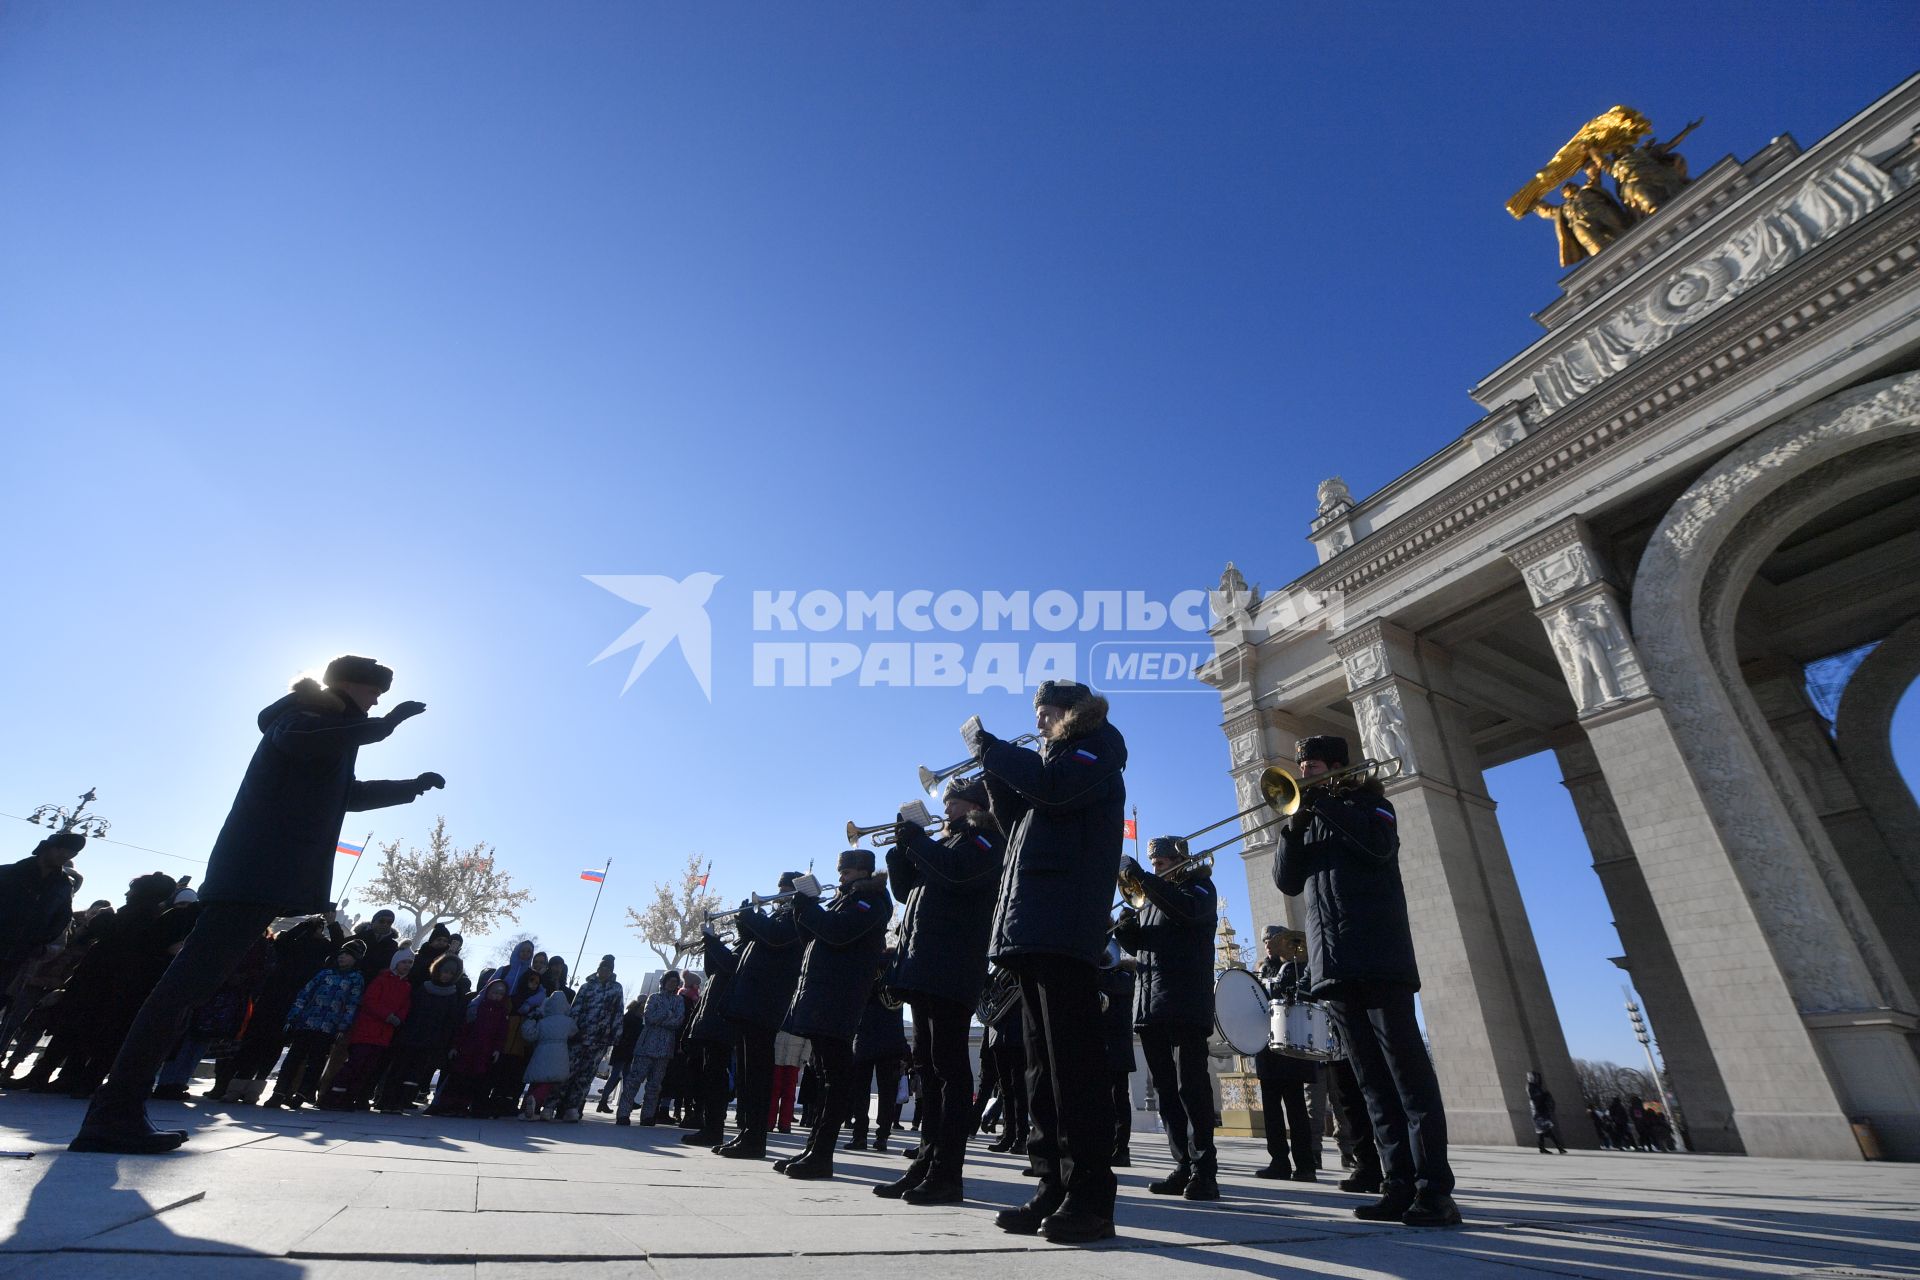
[1646, 1044]
[60, 819]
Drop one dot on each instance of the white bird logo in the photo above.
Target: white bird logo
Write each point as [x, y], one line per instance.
[674, 611]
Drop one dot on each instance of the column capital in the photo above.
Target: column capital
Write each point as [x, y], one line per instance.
[1374, 651]
[1562, 560]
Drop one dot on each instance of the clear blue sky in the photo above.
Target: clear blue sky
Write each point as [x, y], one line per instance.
[375, 328]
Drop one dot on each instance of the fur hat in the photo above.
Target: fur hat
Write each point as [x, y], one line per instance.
[973, 790]
[1167, 846]
[1324, 747]
[351, 669]
[1065, 694]
[66, 842]
[787, 878]
[857, 860]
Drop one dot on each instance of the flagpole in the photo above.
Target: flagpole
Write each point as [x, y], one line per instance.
[581, 954]
[342, 895]
[1136, 833]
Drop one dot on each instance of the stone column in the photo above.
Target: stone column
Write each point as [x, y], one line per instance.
[1698, 1091]
[1776, 1082]
[1879, 875]
[1489, 1014]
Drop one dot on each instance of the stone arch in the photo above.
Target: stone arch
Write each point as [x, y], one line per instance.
[1863, 737]
[1692, 577]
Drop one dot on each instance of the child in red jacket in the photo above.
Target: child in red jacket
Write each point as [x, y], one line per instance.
[382, 1009]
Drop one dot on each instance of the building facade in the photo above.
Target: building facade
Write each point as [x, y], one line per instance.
[1703, 477]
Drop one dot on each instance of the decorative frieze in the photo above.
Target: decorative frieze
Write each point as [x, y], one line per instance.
[1823, 206]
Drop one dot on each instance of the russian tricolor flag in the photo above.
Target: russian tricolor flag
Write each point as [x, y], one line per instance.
[351, 850]
[598, 877]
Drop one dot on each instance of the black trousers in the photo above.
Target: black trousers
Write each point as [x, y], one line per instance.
[882, 1079]
[943, 1082]
[220, 938]
[1069, 1104]
[1403, 1097]
[1283, 1093]
[307, 1054]
[1122, 1086]
[709, 1062]
[756, 1078]
[840, 1081]
[1177, 1061]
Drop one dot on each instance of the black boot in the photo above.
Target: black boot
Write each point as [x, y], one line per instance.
[1026, 1220]
[1122, 1158]
[1174, 1183]
[916, 1173]
[1003, 1144]
[748, 1146]
[1364, 1181]
[943, 1188]
[123, 1130]
[858, 1142]
[1071, 1224]
[1205, 1184]
[811, 1167]
[1434, 1209]
[1392, 1205]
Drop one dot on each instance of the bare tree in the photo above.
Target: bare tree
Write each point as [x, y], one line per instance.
[671, 923]
[1601, 1082]
[444, 885]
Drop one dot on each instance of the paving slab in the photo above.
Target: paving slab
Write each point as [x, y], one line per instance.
[345, 1196]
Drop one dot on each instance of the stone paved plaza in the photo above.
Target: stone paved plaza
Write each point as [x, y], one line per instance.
[267, 1194]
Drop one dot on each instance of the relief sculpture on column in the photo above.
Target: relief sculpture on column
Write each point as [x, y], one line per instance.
[1594, 652]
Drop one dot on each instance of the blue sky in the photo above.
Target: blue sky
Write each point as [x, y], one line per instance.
[364, 328]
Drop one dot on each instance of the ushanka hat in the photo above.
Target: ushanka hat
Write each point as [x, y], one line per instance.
[1324, 747]
[1065, 694]
[351, 669]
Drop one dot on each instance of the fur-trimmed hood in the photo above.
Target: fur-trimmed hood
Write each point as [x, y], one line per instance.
[309, 695]
[983, 821]
[1089, 717]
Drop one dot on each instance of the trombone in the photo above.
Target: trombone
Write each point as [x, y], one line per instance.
[932, 779]
[1283, 793]
[882, 832]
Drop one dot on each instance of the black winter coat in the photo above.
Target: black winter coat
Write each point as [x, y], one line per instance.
[631, 1025]
[947, 888]
[882, 1034]
[277, 846]
[1173, 937]
[1117, 985]
[769, 967]
[1064, 811]
[34, 911]
[1343, 854]
[709, 1021]
[435, 1014]
[846, 947]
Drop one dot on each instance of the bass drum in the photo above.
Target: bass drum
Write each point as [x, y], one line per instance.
[1240, 1011]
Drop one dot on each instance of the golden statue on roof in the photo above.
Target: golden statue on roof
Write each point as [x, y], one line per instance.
[1646, 174]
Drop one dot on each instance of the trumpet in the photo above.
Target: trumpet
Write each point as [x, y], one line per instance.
[1283, 793]
[757, 900]
[932, 779]
[882, 832]
[1133, 894]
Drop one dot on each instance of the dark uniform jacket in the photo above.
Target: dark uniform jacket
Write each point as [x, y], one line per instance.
[882, 1034]
[1173, 937]
[769, 967]
[34, 910]
[847, 944]
[709, 1021]
[1342, 852]
[1064, 811]
[947, 888]
[277, 846]
[1117, 985]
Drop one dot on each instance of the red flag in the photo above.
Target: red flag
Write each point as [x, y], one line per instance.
[1132, 832]
[700, 882]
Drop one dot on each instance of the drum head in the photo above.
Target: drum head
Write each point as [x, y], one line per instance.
[1240, 1011]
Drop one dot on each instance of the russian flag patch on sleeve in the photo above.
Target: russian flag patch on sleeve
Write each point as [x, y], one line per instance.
[1086, 755]
[1388, 815]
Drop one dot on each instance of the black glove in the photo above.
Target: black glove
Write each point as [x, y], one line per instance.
[900, 830]
[405, 711]
[1129, 869]
[427, 782]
